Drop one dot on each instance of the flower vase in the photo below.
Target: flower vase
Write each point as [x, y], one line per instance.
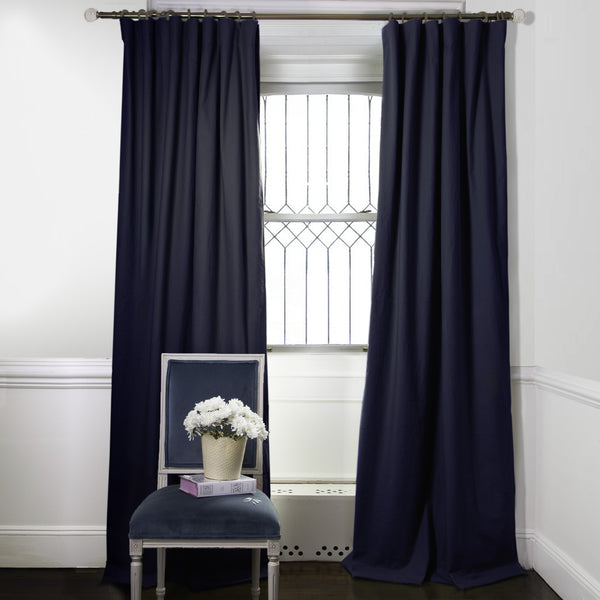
[222, 457]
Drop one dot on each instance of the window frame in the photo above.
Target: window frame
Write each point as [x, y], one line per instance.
[329, 217]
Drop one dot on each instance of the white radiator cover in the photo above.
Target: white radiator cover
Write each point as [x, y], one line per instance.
[317, 520]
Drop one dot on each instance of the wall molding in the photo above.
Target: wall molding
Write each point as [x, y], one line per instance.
[525, 547]
[52, 530]
[56, 373]
[523, 375]
[565, 576]
[578, 389]
[560, 572]
[584, 391]
[95, 373]
[52, 546]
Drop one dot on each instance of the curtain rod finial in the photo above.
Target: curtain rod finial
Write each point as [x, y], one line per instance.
[91, 14]
[518, 15]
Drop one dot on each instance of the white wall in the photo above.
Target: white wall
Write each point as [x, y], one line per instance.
[567, 160]
[567, 296]
[54, 442]
[315, 402]
[60, 81]
[567, 486]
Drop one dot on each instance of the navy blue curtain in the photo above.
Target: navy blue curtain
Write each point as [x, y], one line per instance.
[435, 482]
[190, 265]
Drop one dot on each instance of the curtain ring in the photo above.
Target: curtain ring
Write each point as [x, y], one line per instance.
[254, 15]
[425, 19]
[169, 14]
[238, 16]
[403, 18]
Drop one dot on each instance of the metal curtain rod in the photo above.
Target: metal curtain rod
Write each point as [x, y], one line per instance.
[517, 16]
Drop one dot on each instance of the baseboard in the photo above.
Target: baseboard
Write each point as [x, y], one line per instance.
[562, 574]
[525, 547]
[52, 546]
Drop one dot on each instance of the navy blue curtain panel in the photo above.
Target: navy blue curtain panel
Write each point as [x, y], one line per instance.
[435, 482]
[190, 265]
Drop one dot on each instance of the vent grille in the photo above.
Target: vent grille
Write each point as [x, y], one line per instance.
[312, 489]
[317, 520]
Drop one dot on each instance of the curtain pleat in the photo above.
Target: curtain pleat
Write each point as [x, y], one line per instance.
[190, 264]
[435, 481]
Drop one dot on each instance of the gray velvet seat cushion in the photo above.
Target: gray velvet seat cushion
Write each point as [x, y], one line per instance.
[169, 513]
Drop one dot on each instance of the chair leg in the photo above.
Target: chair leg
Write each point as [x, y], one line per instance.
[135, 552]
[273, 569]
[160, 572]
[255, 589]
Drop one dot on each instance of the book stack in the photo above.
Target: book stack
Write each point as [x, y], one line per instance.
[199, 486]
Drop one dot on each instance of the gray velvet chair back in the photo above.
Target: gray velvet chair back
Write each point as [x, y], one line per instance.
[191, 378]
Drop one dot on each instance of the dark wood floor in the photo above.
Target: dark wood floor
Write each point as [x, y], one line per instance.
[298, 581]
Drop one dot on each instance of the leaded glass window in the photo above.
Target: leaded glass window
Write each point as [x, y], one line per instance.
[320, 156]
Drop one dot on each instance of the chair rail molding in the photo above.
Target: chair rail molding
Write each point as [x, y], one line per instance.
[579, 389]
[584, 391]
[56, 373]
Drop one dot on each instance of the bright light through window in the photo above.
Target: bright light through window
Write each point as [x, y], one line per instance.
[320, 174]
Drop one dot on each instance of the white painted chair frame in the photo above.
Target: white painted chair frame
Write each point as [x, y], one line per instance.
[136, 546]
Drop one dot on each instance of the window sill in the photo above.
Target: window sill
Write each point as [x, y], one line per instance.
[316, 348]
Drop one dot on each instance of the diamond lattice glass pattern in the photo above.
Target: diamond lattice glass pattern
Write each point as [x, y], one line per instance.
[320, 173]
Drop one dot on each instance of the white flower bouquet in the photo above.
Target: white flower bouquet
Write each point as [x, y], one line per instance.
[219, 418]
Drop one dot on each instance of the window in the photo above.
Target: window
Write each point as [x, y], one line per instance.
[320, 156]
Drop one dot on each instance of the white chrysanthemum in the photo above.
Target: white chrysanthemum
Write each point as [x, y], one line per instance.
[237, 406]
[191, 423]
[239, 424]
[217, 417]
[211, 404]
